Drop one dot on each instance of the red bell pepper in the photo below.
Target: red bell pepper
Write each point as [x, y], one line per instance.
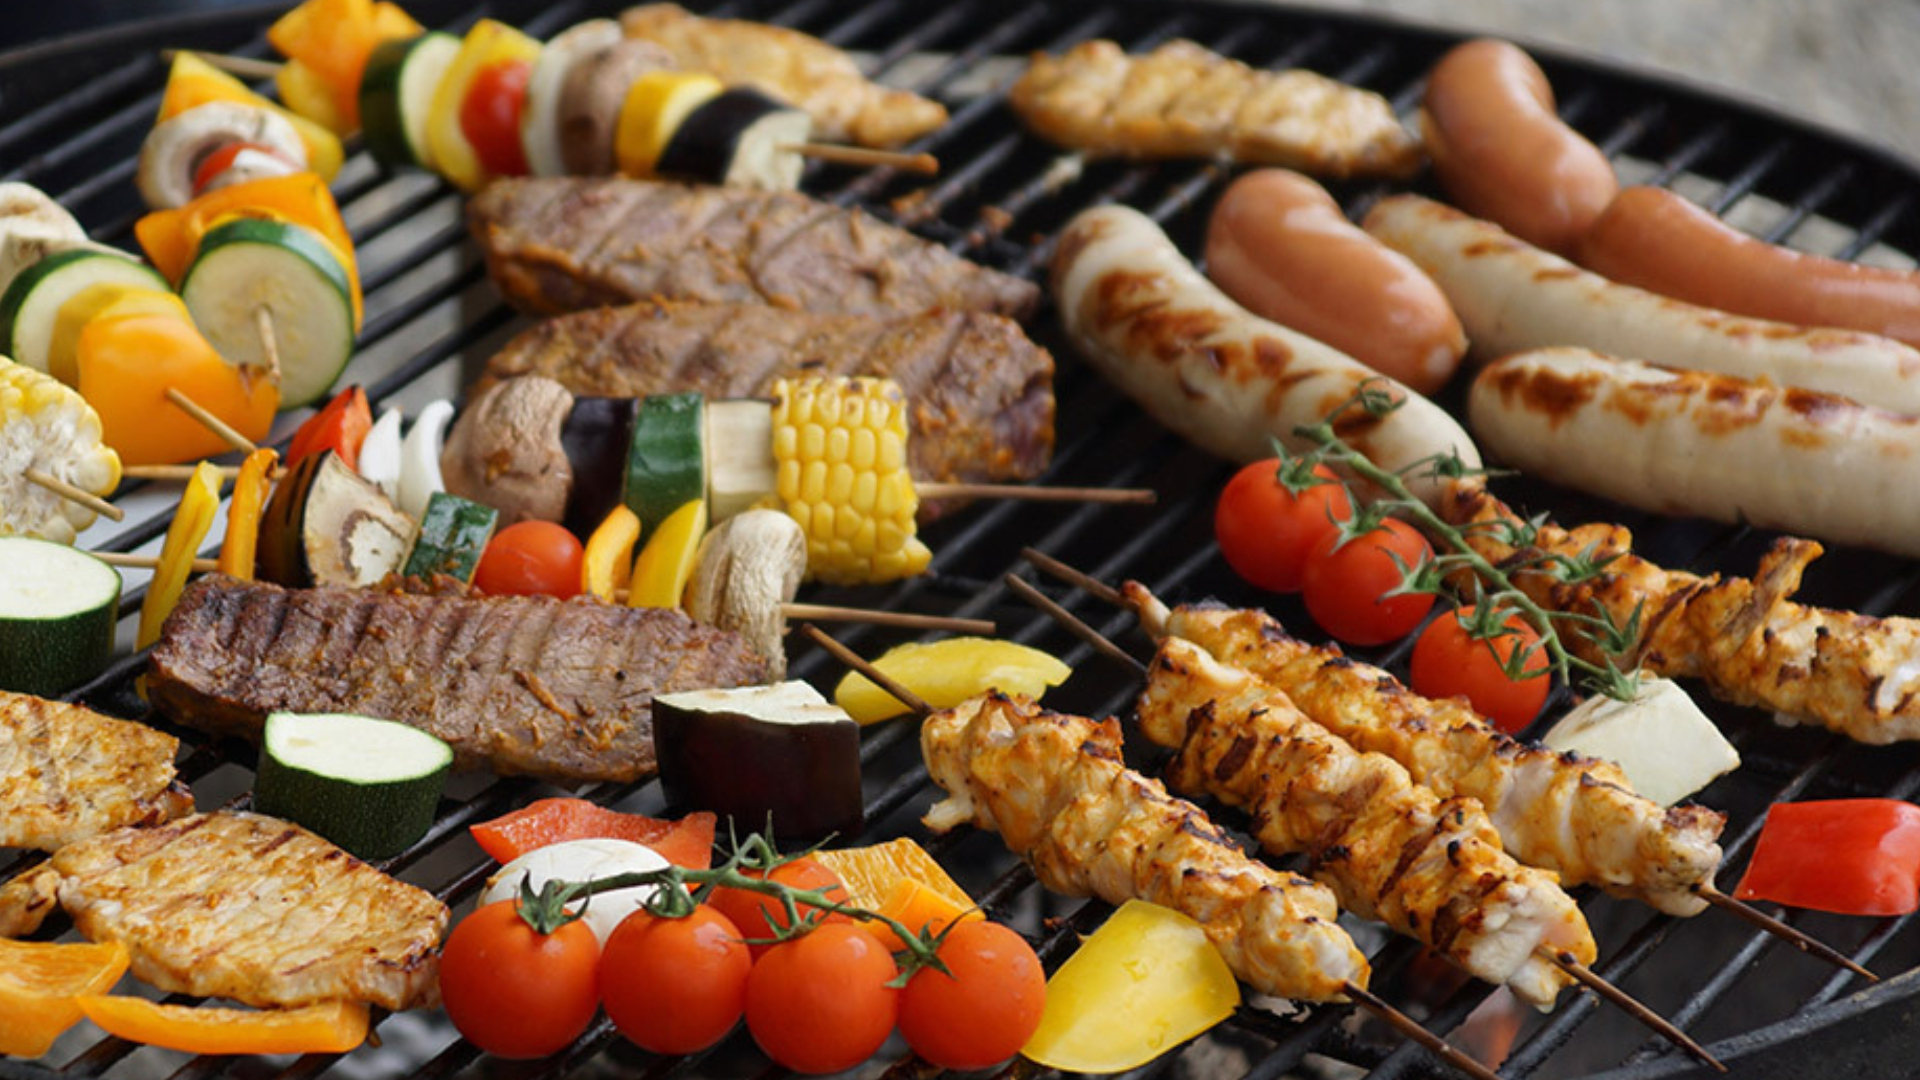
[1848, 856]
[340, 427]
[687, 842]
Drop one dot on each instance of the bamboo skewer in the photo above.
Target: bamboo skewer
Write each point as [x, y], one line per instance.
[148, 562]
[1771, 925]
[924, 164]
[244, 66]
[269, 342]
[73, 494]
[934, 489]
[904, 619]
[1628, 1004]
[211, 422]
[173, 472]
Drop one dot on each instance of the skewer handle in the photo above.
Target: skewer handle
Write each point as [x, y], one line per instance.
[914, 702]
[924, 164]
[1073, 623]
[1629, 1004]
[148, 562]
[211, 422]
[908, 620]
[75, 495]
[172, 472]
[1771, 925]
[1408, 1026]
[244, 66]
[933, 489]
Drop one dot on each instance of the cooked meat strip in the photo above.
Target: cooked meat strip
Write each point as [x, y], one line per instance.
[567, 243]
[1184, 101]
[1055, 789]
[247, 907]
[1390, 849]
[532, 685]
[797, 68]
[981, 392]
[67, 773]
[1744, 638]
[1575, 816]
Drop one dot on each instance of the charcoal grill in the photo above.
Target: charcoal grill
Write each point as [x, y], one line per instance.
[72, 115]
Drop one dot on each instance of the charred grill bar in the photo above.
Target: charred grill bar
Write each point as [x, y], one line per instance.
[74, 117]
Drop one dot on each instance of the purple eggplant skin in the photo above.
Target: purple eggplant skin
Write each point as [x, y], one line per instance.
[803, 778]
[595, 436]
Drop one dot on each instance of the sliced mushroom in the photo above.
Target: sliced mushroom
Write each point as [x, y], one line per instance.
[505, 450]
[591, 96]
[746, 571]
[540, 115]
[32, 227]
[175, 148]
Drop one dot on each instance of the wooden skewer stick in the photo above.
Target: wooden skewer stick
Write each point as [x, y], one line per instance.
[148, 562]
[244, 66]
[932, 489]
[1771, 925]
[269, 343]
[1628, 1004]
[211, 422]
[173, 472]
[905, 619]
[1081, 580]
[1408, 1026]
[924, 164]
[914, 702]
[1068, 619]
[75, 495]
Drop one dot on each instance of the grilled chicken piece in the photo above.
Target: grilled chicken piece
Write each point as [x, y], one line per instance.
[1745, 639]
[67, 773]
[1389, 849]
[568, 243]
[519, 685]
[1575, 816]
[1055, 789]
[799, 69]
[981, 392]
[1183, 101]
[246, 907]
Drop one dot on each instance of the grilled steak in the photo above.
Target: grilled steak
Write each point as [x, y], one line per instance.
[532, 685]
[567, 243]
[982, 393]
[246, 907]
[67, 773]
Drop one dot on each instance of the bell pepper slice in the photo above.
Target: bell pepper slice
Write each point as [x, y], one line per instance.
[83, 306]
[250, 488]
[128, 362]
[191, 523]
[608, 565]
[333, 1027]
[900, 880]
[341, 427]
[193, 82]
[687, 842]
[1848, 856]
[309, 94]
[38, 983]
[332, 39]
[946, 673]
[665, 565]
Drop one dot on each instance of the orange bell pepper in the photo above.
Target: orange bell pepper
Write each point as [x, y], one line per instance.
[126, 365]
[331, 1028]
[193, 82]
[243, 514]
[309, 95]
[333, 38]
[38, 984]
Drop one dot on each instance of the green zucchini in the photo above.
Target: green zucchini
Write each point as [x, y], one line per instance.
[57, 610]
[396, 94]
[251, 264]
[32, 301]
[453, 533]
[370, 786]
[667, 460]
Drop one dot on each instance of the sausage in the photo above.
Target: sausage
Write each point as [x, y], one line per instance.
[1512, 297]
[1502, 152]
[1280, 245]
[1212, 371]
[1693, 444]
[1657, 240]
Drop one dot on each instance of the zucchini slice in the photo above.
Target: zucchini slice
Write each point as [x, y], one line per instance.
[396, 96]
[31, 305]
[667, 460]
[453, 533]
[250, 264]
[370, 786]
[57, 611]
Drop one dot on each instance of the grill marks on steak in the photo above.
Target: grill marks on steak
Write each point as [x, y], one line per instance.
[981, 392]
[563, 244]
[517, 685]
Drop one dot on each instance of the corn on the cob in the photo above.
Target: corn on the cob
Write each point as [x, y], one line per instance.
[46, 425]
[840, 446]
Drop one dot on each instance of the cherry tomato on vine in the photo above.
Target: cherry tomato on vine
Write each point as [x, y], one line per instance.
[820, 1003]
[986, 1010]
[1345, 584]
[530, 558]
[514, 992]
[674, 986]
[1265, 531]
[758, 915]
[490, 116]
[1449, 662]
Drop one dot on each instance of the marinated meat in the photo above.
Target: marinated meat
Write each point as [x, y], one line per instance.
[247, 907]
[67, 773]
[520, 685]
[982, 393]
[568, 243]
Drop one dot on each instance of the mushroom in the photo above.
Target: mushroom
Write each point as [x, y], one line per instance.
[505, 450]
[591, 96]
[745, 572]
[33, 226]
[175, 148]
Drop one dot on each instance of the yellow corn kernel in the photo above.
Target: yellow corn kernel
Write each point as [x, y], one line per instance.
[54, 430]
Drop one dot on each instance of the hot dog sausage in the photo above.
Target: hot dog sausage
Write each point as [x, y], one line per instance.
[1690, 443]
[1513, 297]
[1657, 240]
[1279, 244]
[1207, 368]
[1502, 152]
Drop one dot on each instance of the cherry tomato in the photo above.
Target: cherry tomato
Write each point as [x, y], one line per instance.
[820, 1003]
[1265, 531]
[515, 993]
[985, 1011]
[530, 558]
[222, 159]
[674, 986]
[1449, 662]
[1344, 584]
[490, 116]
[758, 915]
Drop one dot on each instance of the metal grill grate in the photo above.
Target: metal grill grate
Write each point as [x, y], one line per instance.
[74, 115]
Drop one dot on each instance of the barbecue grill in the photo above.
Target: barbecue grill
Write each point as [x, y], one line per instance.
[75, 112]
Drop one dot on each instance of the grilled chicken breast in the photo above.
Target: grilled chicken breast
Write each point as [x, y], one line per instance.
[1055, 789]
[67, 773]
[246, 907]
[1389, 849]
[1184, 101]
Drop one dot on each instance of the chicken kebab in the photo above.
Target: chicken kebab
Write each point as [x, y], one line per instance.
[68, 773]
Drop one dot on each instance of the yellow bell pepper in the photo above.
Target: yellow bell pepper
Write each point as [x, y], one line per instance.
[946, 673]
[80, 309]
[192, 82]
[311, 96]
[38, 984]
[330, 40]
[665, 565]
[331, 1028]
[191, 523]
[243, 513]
[128, 362]
[608, 564]
[487, 44]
